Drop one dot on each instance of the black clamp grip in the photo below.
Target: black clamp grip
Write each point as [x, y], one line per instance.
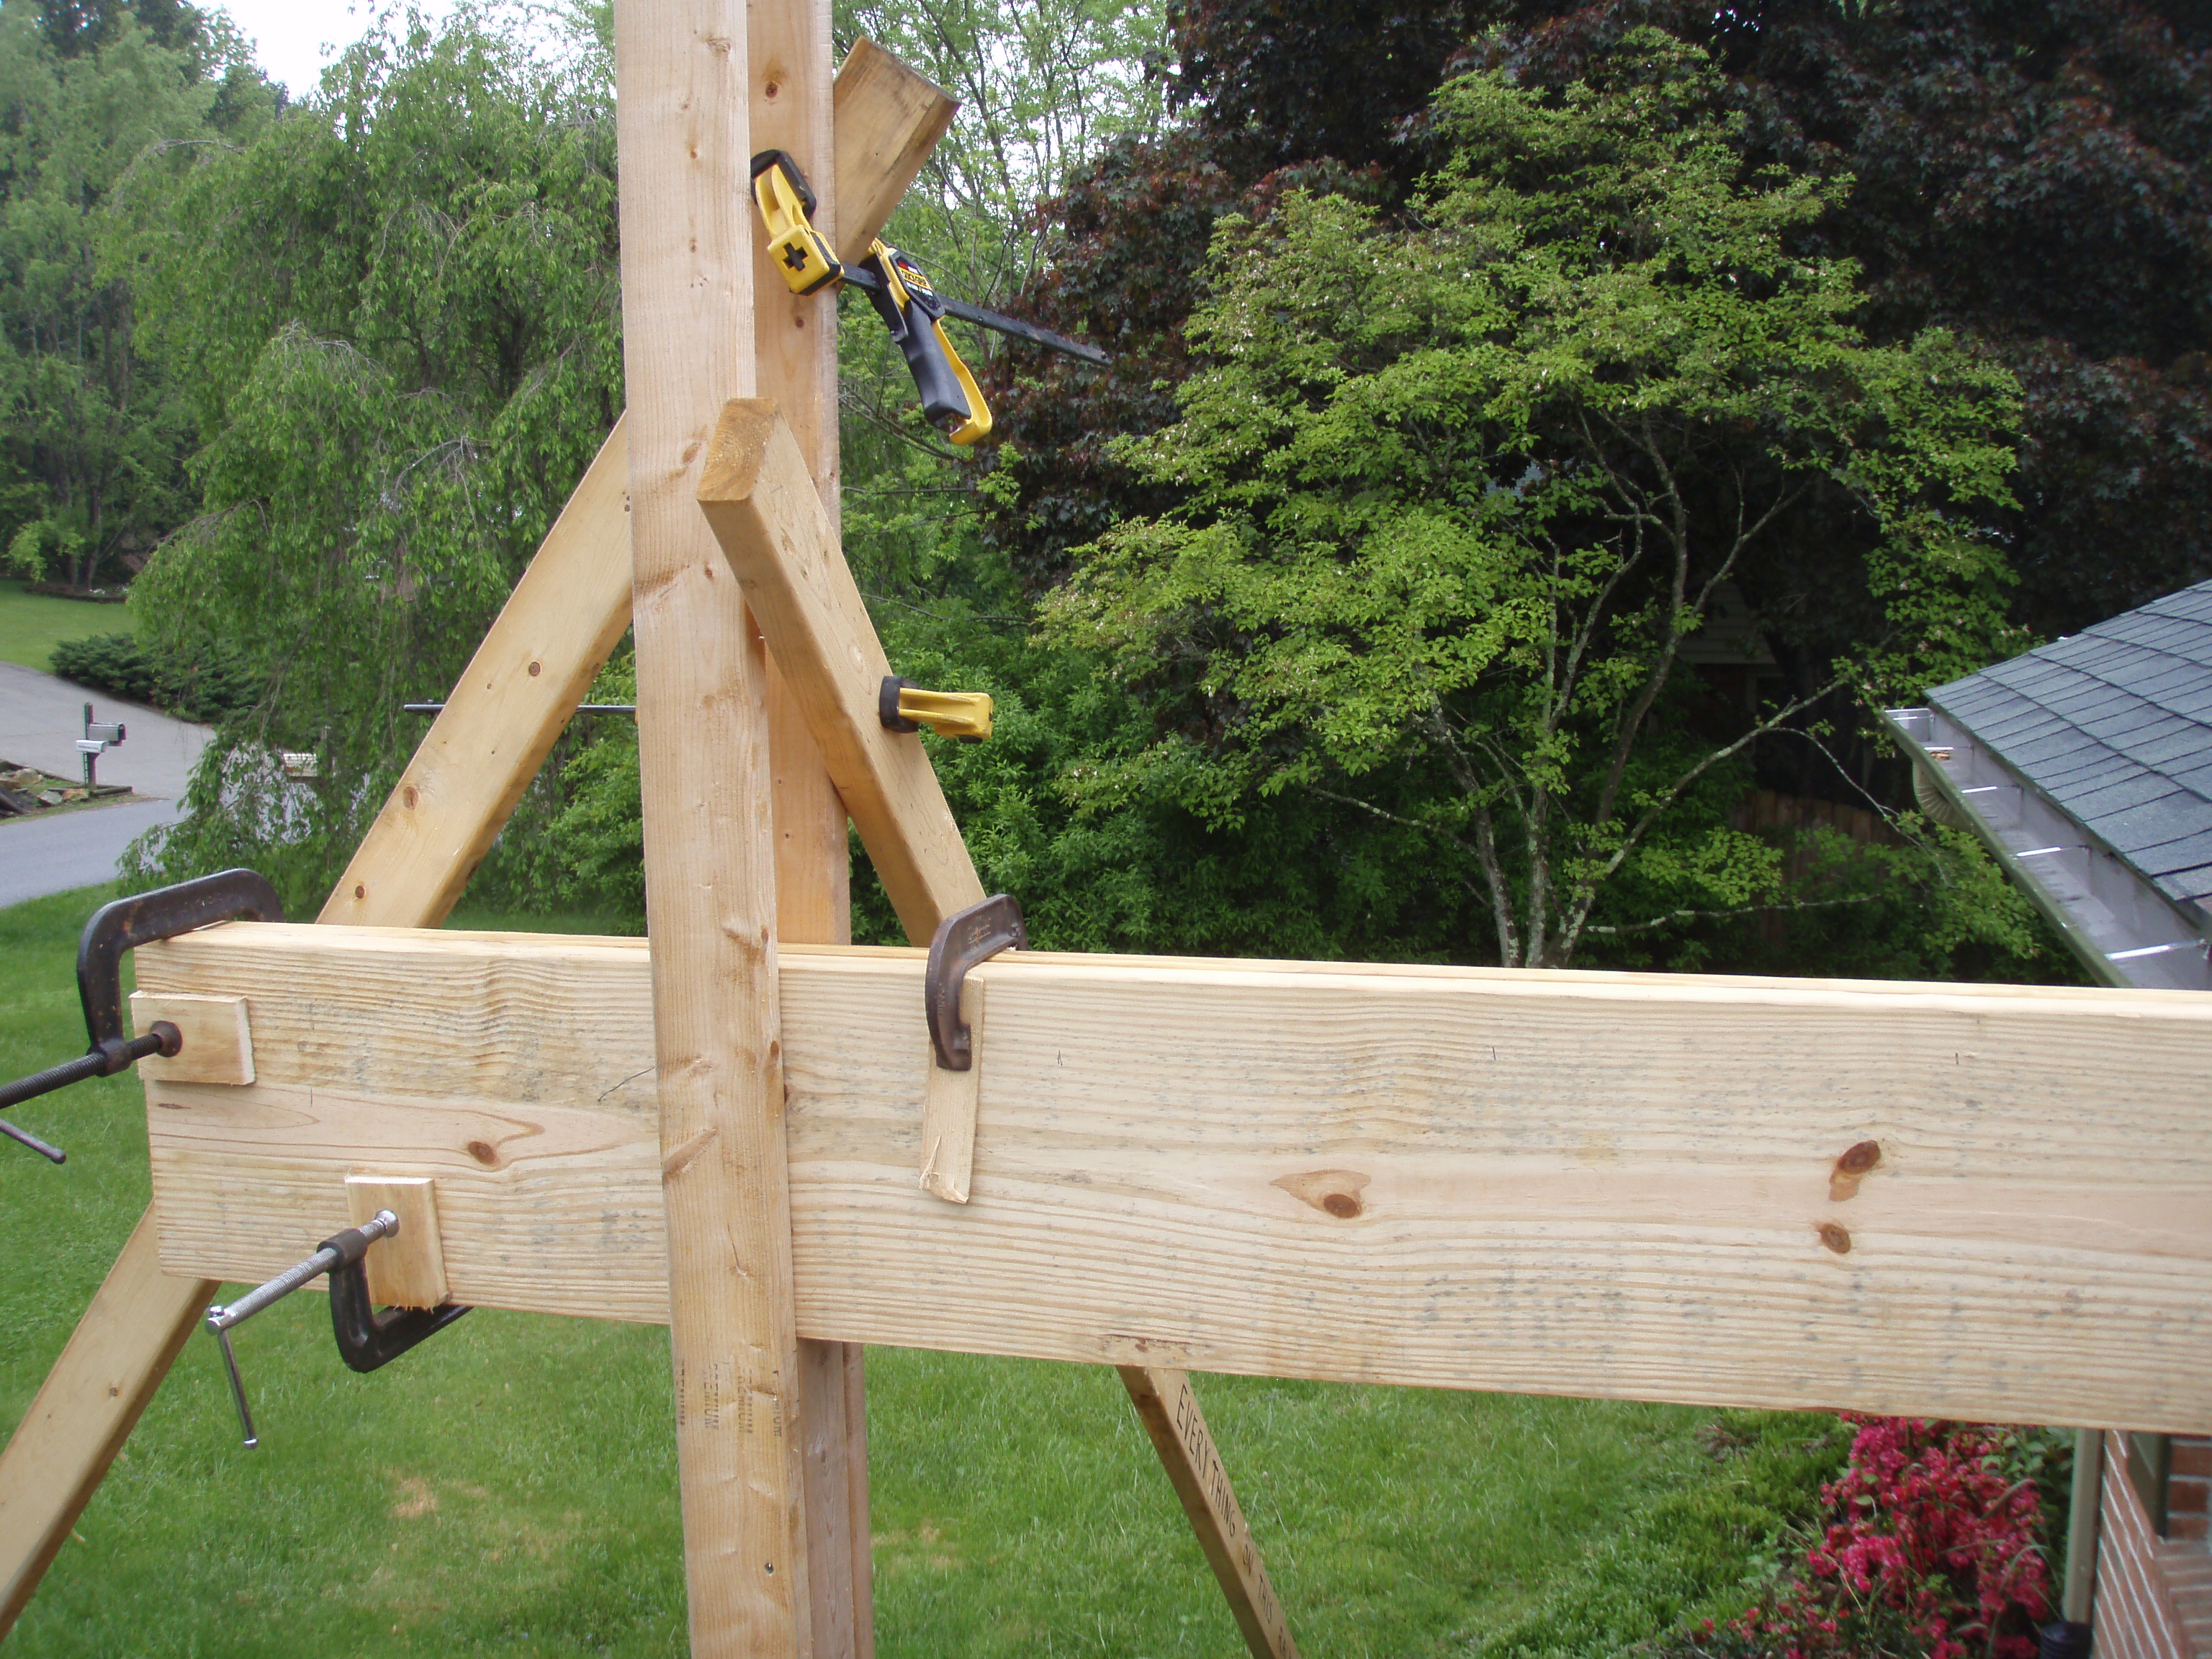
[962, 940]
[143, 918]
[887, 704]
[366, 1338]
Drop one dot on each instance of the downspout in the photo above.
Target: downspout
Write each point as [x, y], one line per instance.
[2081, 1521]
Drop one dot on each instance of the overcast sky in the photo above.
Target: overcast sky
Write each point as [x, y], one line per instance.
[289, 36]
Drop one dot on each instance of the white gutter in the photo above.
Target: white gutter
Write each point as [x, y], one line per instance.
[2125, 931]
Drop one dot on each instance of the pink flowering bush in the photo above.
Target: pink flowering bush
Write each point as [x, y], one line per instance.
[1930, 1550]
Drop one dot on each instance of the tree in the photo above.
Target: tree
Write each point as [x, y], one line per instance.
[397, 309]
[95, 102]
[2030, 176]
[1454, 491]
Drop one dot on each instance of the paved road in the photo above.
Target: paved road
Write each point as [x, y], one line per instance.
[41, 718]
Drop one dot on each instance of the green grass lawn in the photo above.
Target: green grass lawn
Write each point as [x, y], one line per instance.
[33, 624]
[510, 1486]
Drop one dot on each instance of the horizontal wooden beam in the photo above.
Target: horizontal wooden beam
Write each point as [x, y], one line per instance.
[1983, 1202]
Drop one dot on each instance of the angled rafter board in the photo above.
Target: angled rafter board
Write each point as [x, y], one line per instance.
[115, 1359]
[502, 718]
[754, 493]
[1357, 1174]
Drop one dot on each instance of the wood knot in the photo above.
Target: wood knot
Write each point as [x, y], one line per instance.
[408, 796]
[1836, 1238]
[536, 669]
[1333, 1191]
[485, 1153]
[1852, 1168]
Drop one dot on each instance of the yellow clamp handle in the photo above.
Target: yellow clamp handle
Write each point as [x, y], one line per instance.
[902, 279]
[902, 706]
[806, 261]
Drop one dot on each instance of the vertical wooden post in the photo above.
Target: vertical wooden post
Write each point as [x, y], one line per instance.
[683, 128]
[789, 72]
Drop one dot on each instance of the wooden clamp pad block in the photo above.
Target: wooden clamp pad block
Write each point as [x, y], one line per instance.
[218, 1038]
[949, 1102]
[408, 1269]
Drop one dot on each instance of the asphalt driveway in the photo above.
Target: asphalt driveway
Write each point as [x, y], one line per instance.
[41, 718]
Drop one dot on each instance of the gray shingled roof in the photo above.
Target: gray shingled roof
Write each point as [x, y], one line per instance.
[2114, 724]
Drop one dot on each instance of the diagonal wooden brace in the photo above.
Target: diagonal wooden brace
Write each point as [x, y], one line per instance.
[756, 494]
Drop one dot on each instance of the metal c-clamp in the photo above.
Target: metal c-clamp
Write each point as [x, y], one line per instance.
[963, 939]
[121, 925]
[366, 1339]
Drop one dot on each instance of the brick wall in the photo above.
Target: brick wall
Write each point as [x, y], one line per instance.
[2188, 1489]
[2136, 1616]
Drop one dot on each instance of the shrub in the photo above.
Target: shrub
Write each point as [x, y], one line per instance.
[210, 687]
[1930, 1548]
[1709, 1549]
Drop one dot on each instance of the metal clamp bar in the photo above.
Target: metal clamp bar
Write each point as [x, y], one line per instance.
[382, 1224]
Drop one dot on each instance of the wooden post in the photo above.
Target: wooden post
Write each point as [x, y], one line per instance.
[681, 106]
[788, 70]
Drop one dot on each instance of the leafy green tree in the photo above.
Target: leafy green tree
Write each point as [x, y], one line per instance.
[1454, 495]
[96, 102]
[397, 309]
[1044, 90]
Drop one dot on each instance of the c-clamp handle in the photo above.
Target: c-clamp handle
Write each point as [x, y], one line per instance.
[366, 1339]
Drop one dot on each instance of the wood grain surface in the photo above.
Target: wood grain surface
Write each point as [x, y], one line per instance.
[218, 1043]
[888, 119]
[682, 126]
[1566, 1182]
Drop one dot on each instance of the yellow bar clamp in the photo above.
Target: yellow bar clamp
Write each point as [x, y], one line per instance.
[786, 205]
[902, 706]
